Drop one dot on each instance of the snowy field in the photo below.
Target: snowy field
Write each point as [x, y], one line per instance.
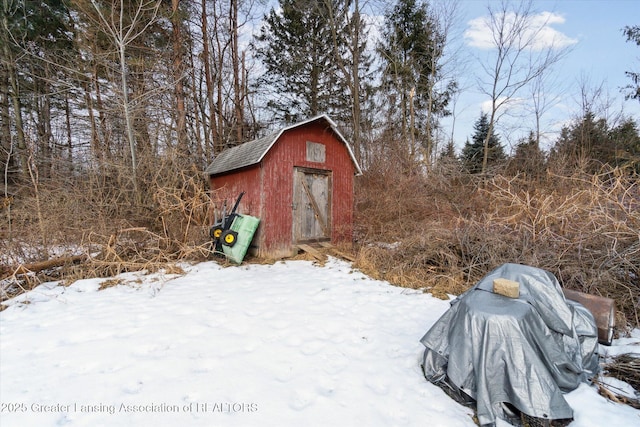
[289, 344]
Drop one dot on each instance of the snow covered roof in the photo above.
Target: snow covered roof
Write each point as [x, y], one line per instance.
[252, 152]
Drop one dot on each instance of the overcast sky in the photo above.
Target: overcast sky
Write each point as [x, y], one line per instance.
[598, 58]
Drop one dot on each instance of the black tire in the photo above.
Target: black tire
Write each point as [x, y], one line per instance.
[229, 238]
[215, 232]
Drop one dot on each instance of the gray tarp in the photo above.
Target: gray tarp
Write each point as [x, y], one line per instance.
[525, 351]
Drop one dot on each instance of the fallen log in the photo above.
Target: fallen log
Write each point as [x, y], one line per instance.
[6, 272]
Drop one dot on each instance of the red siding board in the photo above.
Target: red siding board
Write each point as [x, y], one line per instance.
[269, 187]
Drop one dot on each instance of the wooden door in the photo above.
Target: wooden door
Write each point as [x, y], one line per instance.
[311, 205]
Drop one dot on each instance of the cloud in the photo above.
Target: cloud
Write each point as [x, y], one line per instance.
[510, 105]
[538, 28]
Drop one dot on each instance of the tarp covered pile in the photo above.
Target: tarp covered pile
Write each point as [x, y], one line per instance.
[521, 353]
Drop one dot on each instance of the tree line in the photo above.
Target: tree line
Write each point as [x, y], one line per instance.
[121, 88]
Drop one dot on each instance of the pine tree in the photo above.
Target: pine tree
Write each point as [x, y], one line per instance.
[410, 51]
[626, 140]
[592, 142]
[472, 152]
[528, 158]
[34, 40]
[449, 151]
[633, 90]
[295, 46]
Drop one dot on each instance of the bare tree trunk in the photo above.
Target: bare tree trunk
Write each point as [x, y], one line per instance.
[102, 138]
[199, 129]
[143, 15]
[102, 118]
[138, 85]
[43, 125]
[209, 86]
[6, 144]
[33, 174]
[95, 142]
[67, 116]
[352, 73]
[485, 151]
[235, 60]
[14, 94]
[355, 87]
[178, 73]
[127, 117]
[217, 112]
[412, 122]
[6, 139]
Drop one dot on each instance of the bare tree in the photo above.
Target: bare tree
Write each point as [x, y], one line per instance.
[519, 54]
[225, 104]
[235, 65]
[444, 14]
[544, 96]
[124, 22]
[178, 72]
[352, 63]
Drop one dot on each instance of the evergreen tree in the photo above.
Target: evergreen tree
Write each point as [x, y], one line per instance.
[585, 141]
[295, 45]
[447, 157]
[626, 139]
[354, 62]
[449, 151]
[410, 51]
[633, 34]
[528, 158]
[592, 142]
[472, 152]
[34, 40]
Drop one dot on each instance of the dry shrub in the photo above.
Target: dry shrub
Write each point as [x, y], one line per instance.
[91, 215]
[173, 202]
[391, 205]
[445, 231]
[416, 262]
[407, 228]
[584, 229]
[185, 212]
[626, 368]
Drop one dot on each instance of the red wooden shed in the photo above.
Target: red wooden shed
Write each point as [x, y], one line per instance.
[298, 181]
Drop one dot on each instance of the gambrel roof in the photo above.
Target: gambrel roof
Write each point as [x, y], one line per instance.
[252, 152]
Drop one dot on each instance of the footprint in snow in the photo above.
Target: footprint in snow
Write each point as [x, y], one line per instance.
[312, 347]
[301, 400]
[133, 387]
[377, 386]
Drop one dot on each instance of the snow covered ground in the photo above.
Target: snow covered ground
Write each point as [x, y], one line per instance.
[289, 344]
